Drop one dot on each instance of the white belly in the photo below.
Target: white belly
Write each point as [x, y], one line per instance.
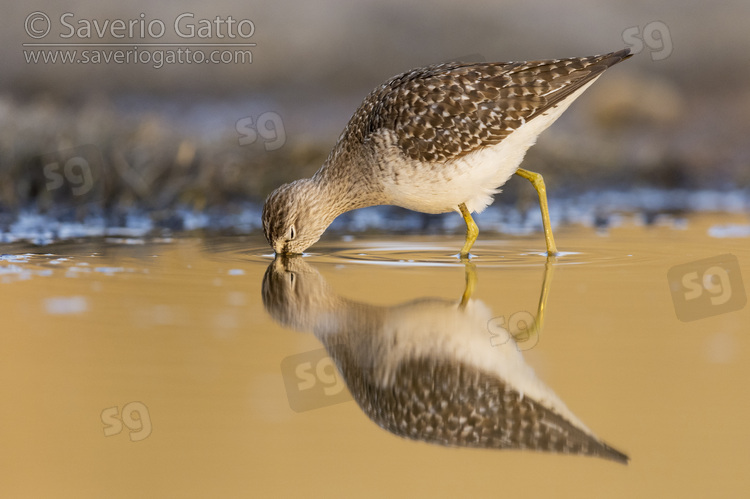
[475, 178]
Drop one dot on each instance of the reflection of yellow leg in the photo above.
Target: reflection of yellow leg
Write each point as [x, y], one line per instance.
[472, 231]
[538, 324]
[538, 182]
[471, 283]
[549, 270]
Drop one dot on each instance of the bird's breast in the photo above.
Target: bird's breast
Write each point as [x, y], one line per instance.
[440, 187]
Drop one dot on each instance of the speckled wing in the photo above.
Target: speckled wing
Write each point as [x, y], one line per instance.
[443, 112]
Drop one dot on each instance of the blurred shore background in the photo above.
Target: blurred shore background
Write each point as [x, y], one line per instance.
[88, 147]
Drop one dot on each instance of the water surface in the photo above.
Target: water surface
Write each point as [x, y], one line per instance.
[198, 366]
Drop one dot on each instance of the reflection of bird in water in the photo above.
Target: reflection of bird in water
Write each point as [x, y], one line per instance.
[435, 139]
[426, 369]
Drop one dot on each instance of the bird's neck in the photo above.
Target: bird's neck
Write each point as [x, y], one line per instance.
[346, 183]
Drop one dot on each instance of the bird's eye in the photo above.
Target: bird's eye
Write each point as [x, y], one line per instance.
[292, 233]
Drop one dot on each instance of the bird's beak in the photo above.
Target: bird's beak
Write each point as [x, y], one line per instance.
[282, 250]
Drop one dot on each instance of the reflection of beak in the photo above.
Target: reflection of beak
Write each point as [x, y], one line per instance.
[281, 261]
[278, 263]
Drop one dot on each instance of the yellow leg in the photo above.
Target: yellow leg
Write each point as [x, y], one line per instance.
[472, 231]
[538, 182]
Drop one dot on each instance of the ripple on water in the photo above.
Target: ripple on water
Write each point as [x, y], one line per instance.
[630, 245]
[410, 252]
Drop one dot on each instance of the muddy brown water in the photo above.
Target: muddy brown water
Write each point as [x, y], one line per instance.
[197, 367]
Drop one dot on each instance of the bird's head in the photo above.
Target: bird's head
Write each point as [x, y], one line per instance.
[295, 216]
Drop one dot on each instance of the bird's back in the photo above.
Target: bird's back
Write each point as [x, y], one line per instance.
[444, 112]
